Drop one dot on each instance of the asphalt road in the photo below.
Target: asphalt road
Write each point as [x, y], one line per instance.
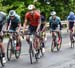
[65, 58]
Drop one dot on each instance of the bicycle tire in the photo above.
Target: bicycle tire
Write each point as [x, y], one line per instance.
[72, 44]
[52, 46]
[31, 55]
[1, 59]
[9, 54]
[59, 45]
[18, 52]
[41, 50]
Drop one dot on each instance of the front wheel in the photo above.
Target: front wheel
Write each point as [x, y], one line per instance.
[1, 59]
[18, 50]
[59, 44]
[9, 50]
[31, 56]
[52, 46]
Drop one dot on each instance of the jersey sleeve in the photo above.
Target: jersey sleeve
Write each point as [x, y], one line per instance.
[19, 18]
[18, 21]
[59, 19]
[50, 18]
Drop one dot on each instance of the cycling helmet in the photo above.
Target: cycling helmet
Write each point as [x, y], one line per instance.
[71, 13]
[31, 7]
[53, 13]
[12, 13]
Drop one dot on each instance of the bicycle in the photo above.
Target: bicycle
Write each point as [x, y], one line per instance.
[1, 57]
[55, 42]
[33, 49]
[42, 36]
[14, 45]
[72, 38]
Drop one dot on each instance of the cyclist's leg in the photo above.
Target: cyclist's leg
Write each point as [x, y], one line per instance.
[71, 24]
[28, 39]
[3, 49]
[42, 38]
[28, 36]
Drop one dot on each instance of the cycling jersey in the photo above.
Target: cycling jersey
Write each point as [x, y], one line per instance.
[54, 22]
[42, 19]
[71, 20]
[33, 18]
[2, 20]
[42, 22]
[13, 23]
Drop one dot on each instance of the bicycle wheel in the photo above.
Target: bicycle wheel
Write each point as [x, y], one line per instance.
[72, 44]
[59, 45]
[41, 49]
[31, 55]
[1, 58]
[18, 50]
[72, 40]
[9, 50]
[36, 57]
[52, 46]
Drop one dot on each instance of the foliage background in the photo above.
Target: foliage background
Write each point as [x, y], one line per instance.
[62, 7]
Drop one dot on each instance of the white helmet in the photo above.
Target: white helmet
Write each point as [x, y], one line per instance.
[31, 7]
[53, 13]
[12, 13]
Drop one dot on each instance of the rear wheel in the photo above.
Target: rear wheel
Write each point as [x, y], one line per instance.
[9, 50]
[1, 59]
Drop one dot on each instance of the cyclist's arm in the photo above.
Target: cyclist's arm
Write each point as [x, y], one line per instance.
[44, 26]
[59, 20]
[67, 23]
[50, 22]
[38, 25]
[7, 24]
[19, 26]
[25, 21]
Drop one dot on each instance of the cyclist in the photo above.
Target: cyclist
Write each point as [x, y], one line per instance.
[13, 22]
[2, 21]
[71, 20]
[43, 27]
[55, 23]
[34, 22]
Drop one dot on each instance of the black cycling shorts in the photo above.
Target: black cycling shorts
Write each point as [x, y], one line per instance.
[71, 24]
[32, 29]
